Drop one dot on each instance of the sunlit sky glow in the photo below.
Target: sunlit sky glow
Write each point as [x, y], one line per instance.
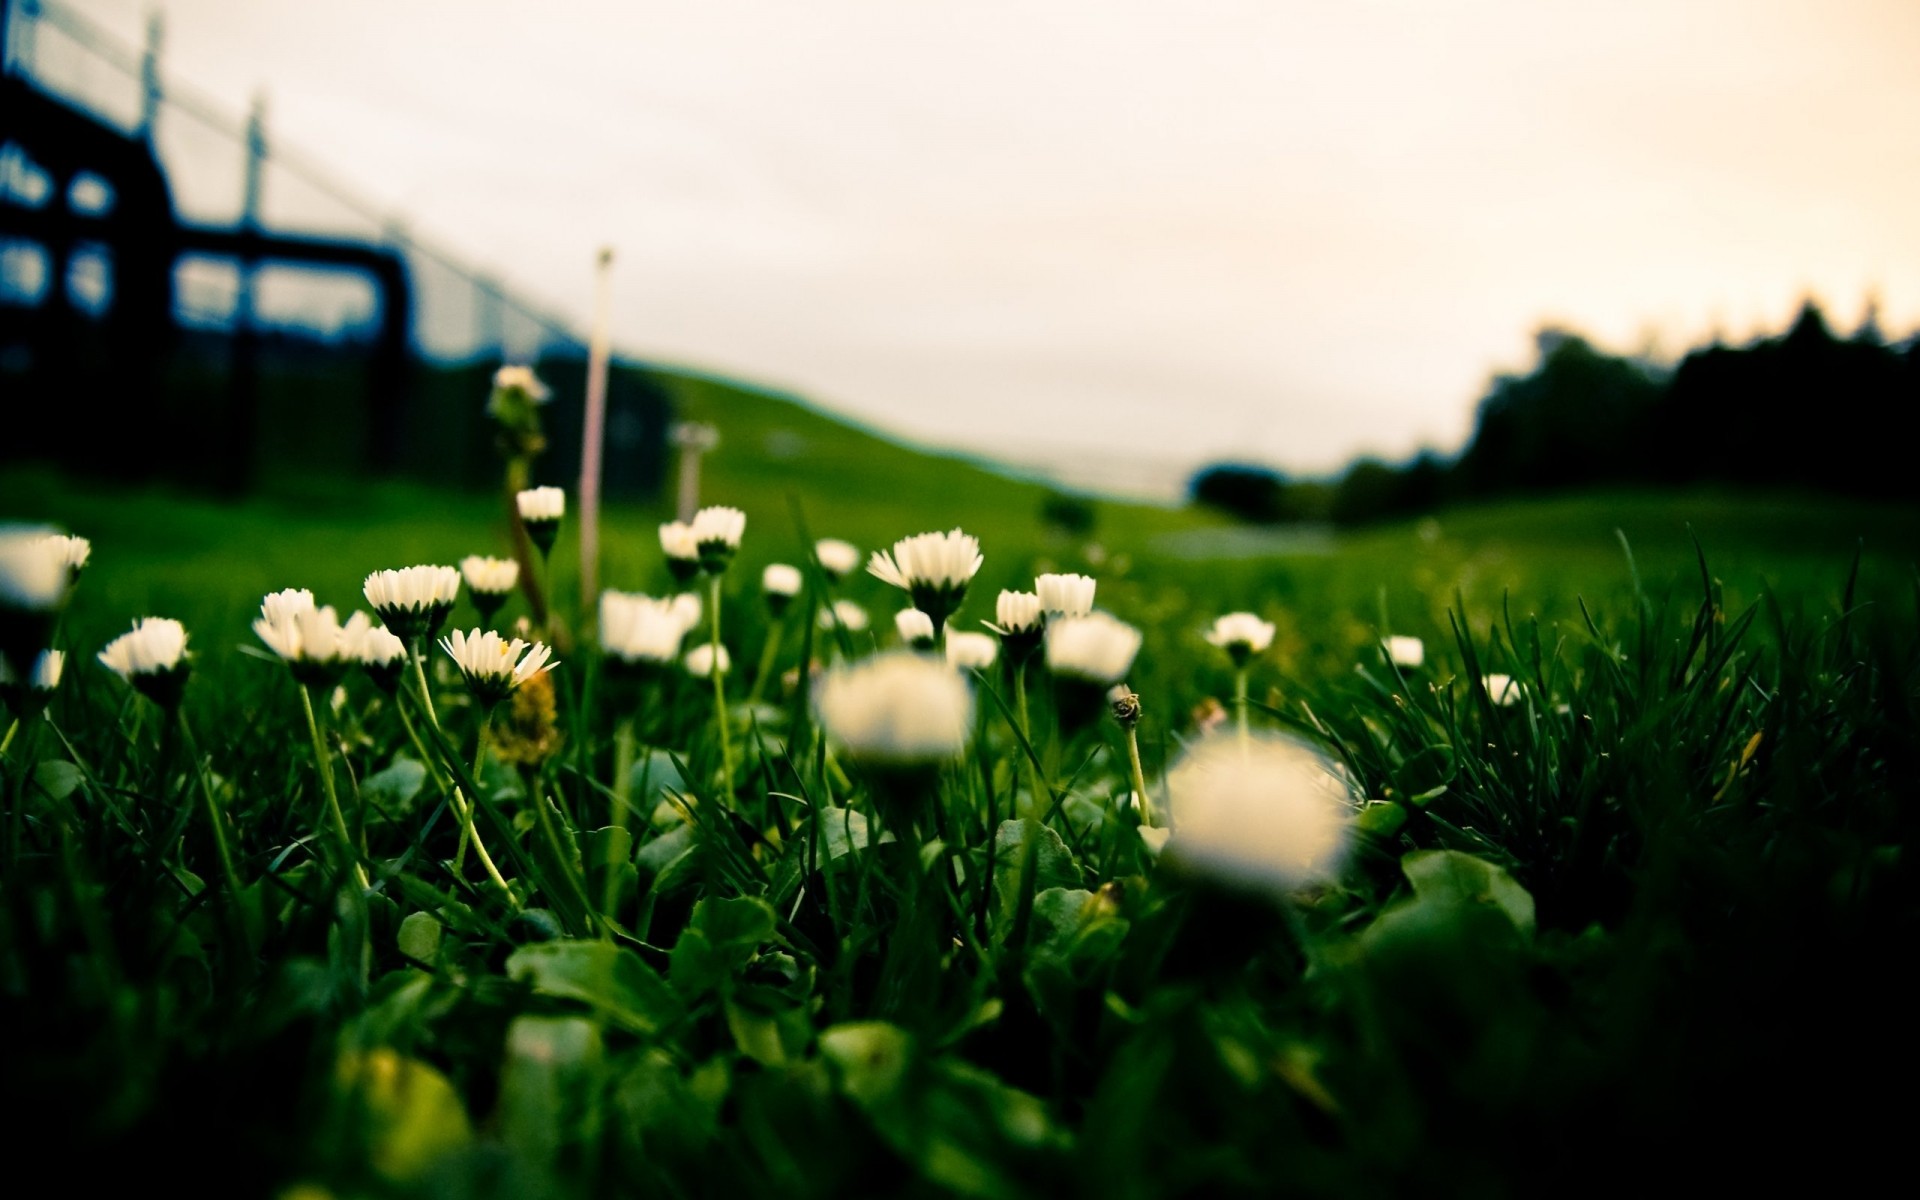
[1151, 233]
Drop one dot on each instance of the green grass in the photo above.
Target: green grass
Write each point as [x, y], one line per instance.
[1655, 916]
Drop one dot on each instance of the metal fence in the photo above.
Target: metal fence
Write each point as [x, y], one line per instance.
[305, 331]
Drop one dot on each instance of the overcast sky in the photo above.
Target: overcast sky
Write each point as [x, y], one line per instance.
[1161, 232]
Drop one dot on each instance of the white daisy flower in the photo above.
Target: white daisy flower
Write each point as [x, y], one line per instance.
[73, 552]
[845, 614]
[934, 569]
[493, 666]
[1504, 690]
[31, 695]
[489, 582]
[1097, 648]
[489, 576]
[1017, 612]
[682, 548]
[780, 583]
[380, 654]
[1408, 652]
[413, 601]
[34, 578]
[638, 629]
[152, 657]
[897, 708]
[540, 511]
[281, 607]
[1065, 595]
[970, 651]
[306, 638]
[1242, 635]
[541, 504]
[716, 532]
[837, 558]
[916, 628]
[518, 378]
[699, 661]
[1268, 811]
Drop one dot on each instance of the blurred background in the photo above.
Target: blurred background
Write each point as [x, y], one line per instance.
[1305, 264]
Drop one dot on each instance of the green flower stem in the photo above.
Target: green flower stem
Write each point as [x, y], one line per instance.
[12, 728]
[720, 694]
[217, 821]
[464, 810]
[1139, 777]
[323, 763]
[1020, 700]
[1240, 702]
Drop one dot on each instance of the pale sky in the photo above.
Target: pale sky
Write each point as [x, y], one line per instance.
[1150, 233]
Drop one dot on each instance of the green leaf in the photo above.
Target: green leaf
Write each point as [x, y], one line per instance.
[1455, 878]
[613, 979]
[842, 831]
[395, 787]
[1423, 776]
[419, 937]
[722, 936]
[1053, 865]
[1383, 819]
[57, 778]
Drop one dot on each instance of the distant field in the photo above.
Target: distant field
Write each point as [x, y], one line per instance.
[207, 562]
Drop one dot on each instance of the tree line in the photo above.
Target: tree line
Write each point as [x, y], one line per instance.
[1803, 409]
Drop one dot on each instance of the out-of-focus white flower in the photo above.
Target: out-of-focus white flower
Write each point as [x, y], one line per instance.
[678, 543]
[916, 628]
[492, 665]
[152, 656]
[1017, 612]
[846, 614]
[1065, 595]
[699, 661]
[687, 607]
[780, 583]
[716, 532]
[40, 681]
[33, 570]
[489, 576]
[281, 607]
[934, 569]
[73, 552]
[1403, 651]
[1098, 648]
[514, 378]
[640, 629]
[374, 647]
[897, 708]
[837, 558]
[1268, 811]
[541, 504]
[413, 601]
[779, 579]
[970, 651]
[1242, 635]
[153, 645]
[1503, 690]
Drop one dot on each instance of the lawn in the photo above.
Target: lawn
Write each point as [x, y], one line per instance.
[1650, 914]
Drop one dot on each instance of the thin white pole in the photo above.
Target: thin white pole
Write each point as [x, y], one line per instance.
[594, 435]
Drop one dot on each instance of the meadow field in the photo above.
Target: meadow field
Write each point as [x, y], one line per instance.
[1613, 878]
